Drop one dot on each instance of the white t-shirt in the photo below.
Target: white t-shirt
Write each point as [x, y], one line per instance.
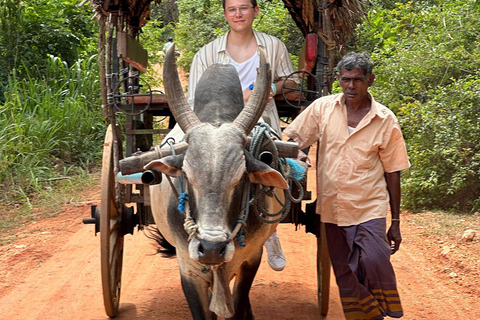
[247, 70]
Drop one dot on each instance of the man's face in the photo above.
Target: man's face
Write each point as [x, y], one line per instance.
[240, 14]
[355, 85]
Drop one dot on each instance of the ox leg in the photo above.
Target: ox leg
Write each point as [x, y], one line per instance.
[241, 290]
[196, 290]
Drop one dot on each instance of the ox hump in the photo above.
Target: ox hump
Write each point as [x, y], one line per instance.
[219, 96]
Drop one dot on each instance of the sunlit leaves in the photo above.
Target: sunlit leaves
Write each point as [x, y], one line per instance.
[427, 57]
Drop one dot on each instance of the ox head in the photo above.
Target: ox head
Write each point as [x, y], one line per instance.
[216, 161]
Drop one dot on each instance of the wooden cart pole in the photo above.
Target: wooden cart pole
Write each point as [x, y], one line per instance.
[323, 271]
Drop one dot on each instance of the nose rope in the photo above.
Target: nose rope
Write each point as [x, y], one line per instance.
[189, 224]
[240, 230]
[294, 173]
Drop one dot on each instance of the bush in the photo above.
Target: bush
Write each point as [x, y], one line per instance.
[426, 57]
[30, 30]
[49, 125]
[442, 137]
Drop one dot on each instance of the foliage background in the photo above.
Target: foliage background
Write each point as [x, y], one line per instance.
[50, 125]
[426, 56]
[202, 21]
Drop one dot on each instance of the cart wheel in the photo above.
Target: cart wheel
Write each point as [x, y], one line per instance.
[310, 95]
[111, 235]
[132, 96]
[323, 272]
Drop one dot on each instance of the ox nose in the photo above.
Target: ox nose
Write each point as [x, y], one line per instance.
[211, 252]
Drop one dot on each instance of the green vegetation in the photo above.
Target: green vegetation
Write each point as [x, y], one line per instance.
[427, 57]
[52, 126]
[31, 30]
[201, 21]
[50, 122]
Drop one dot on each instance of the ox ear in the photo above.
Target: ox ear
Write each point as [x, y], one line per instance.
[260, 173]
[170, 166]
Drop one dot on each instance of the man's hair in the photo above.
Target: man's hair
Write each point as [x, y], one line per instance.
[253, 2]
[354, 60]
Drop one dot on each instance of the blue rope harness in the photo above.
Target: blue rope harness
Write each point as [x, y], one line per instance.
[182, 199]
[183, 196]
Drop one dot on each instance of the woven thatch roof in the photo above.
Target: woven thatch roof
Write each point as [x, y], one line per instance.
[333, 20]
[138, 11]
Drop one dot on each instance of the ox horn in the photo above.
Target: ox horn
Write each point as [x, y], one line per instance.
[178, 104]
[252, 111]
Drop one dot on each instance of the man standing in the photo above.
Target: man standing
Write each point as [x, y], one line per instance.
[361, 152]
[238, 47]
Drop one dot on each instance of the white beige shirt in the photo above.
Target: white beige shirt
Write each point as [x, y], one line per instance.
[351, 187]
[216, 52]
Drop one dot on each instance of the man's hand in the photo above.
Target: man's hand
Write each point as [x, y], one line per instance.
[394, 236]
[248, 92]
[302, 156]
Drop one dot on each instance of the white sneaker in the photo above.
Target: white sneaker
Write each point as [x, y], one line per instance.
[276, 257]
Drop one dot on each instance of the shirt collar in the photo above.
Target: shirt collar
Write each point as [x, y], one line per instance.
[374, 110]
[259, 39]
[223, 42]
[222, 47]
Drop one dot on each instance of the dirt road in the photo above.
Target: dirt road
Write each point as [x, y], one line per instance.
[51, 270]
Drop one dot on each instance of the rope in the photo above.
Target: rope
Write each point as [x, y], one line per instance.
[240, 231]
[189, 224]
[261, 135]
[331, 44]
[182, 200]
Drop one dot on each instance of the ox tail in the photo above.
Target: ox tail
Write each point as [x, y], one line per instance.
[164, 247]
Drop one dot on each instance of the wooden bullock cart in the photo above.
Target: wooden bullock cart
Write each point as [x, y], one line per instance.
[324, 23]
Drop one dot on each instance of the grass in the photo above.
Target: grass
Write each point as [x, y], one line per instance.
[50, 126]
[51, 136]
[446, 224]
[46, 203]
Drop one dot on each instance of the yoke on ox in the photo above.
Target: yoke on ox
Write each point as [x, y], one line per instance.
[213, 171]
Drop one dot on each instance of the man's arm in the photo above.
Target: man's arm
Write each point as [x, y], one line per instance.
[197, 68]
[284, 68]
[287, 83]
[394, 235]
